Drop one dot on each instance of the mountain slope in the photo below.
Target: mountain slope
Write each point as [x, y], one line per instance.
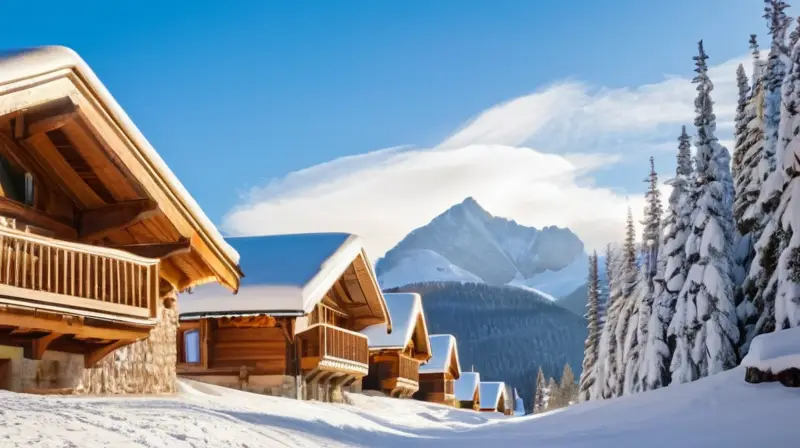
[507, 333]
[422, 265]
[496, 250]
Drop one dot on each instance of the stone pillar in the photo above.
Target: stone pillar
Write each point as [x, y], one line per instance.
[144, 367]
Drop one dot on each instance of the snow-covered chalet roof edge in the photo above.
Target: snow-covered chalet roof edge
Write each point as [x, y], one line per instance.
[466, 385]
[405, 310]
[19, 65]
[445, 351]
[289, 275]
[491, 392]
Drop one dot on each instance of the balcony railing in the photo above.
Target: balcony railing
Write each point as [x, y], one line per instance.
[60, 274]
[327, 342]
[409, 368]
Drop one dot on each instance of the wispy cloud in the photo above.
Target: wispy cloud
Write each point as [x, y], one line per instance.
[530, 159]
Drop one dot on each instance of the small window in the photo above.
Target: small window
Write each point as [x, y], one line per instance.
[191, 346]
[28, 189]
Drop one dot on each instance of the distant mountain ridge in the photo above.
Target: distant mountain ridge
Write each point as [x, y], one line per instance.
[468, 244]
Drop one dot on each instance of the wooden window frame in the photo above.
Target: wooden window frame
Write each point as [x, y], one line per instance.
[181, 355]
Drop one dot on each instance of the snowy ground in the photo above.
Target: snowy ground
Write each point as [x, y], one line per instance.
[717, 411]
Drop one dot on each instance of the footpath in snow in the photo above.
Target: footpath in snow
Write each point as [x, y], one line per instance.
[718, 411]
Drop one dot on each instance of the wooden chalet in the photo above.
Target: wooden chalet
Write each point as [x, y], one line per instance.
[394, 358]
[438, 375]
[493, 397]
[96, 232]
[467, 392]
[293, 328]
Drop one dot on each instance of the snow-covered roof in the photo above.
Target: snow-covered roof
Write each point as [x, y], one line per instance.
[18, 65]
[491, 392]
[285, 274]
[466, 384]
[407, 318]
[445, 351]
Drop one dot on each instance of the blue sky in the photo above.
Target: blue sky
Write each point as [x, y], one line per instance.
[234, 94]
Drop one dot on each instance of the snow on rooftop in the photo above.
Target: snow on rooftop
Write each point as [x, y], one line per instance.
[26, 63]
[442, 345]
[490, 392]
[466, 384]
[776, 351]
[404, 309]
[283, 274]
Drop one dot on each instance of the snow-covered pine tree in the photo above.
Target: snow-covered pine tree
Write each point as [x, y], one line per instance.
[705, 318]
[740, 127]
[629, 307]
[778, 21]
[602, 294]
[538, 397]
[552, 397]
[752, 211]
[787, 297]
[671, 273]
[651, 224]
[606, 356]
[590, 347]
[609, 350]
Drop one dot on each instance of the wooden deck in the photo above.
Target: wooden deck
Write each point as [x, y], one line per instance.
[76, 297]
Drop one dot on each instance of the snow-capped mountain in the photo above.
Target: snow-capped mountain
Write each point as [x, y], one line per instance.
[467, 244]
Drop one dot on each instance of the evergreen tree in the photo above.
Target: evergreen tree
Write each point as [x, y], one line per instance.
[538, 397]
[567, 389]
[752, 210]
[741, 120]
[629, 281]
[652, 224]
[778, 23]
[705, 322]
[553, 396]
[606, 356]
[591, 347]
[610, 350]
[671, 273]
[787, 297]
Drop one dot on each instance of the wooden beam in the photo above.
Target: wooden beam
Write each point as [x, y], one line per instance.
[51, 123]
[98, 221]
[19, 126]
[65, 327]
[50, 158]
[39, 346]
[96, 355]
[30, 215]
[158, 250]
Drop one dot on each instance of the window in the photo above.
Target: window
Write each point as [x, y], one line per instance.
[28, 189]
[191, 346]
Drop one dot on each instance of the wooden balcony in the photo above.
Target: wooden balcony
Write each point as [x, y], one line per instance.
[327, 348]
[74, 293]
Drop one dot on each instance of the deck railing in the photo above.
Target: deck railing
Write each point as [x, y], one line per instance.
[409, 368]
[328, 341]
[72, 275]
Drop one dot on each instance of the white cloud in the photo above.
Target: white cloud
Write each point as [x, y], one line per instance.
[575, 130]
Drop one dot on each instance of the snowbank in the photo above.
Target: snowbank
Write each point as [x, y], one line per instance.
[721, 410]
[775, 351]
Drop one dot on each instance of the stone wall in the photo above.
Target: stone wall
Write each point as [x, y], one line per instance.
[272, 385]
[55, 371]
[144, 367]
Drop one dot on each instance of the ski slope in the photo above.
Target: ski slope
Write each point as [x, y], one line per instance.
[719, 411]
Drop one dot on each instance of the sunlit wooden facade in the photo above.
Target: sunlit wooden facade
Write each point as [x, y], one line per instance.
[395, 358]
[269, 343]
[437, 377]
[95, 231]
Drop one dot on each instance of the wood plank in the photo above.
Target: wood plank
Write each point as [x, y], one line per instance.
[74, 303]
[100, 161]
[72, 183]
[96, 355]
[39, 346]
[67, 328]
[99, 221]
[157, 250]
[50, 123]
[30, 215]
